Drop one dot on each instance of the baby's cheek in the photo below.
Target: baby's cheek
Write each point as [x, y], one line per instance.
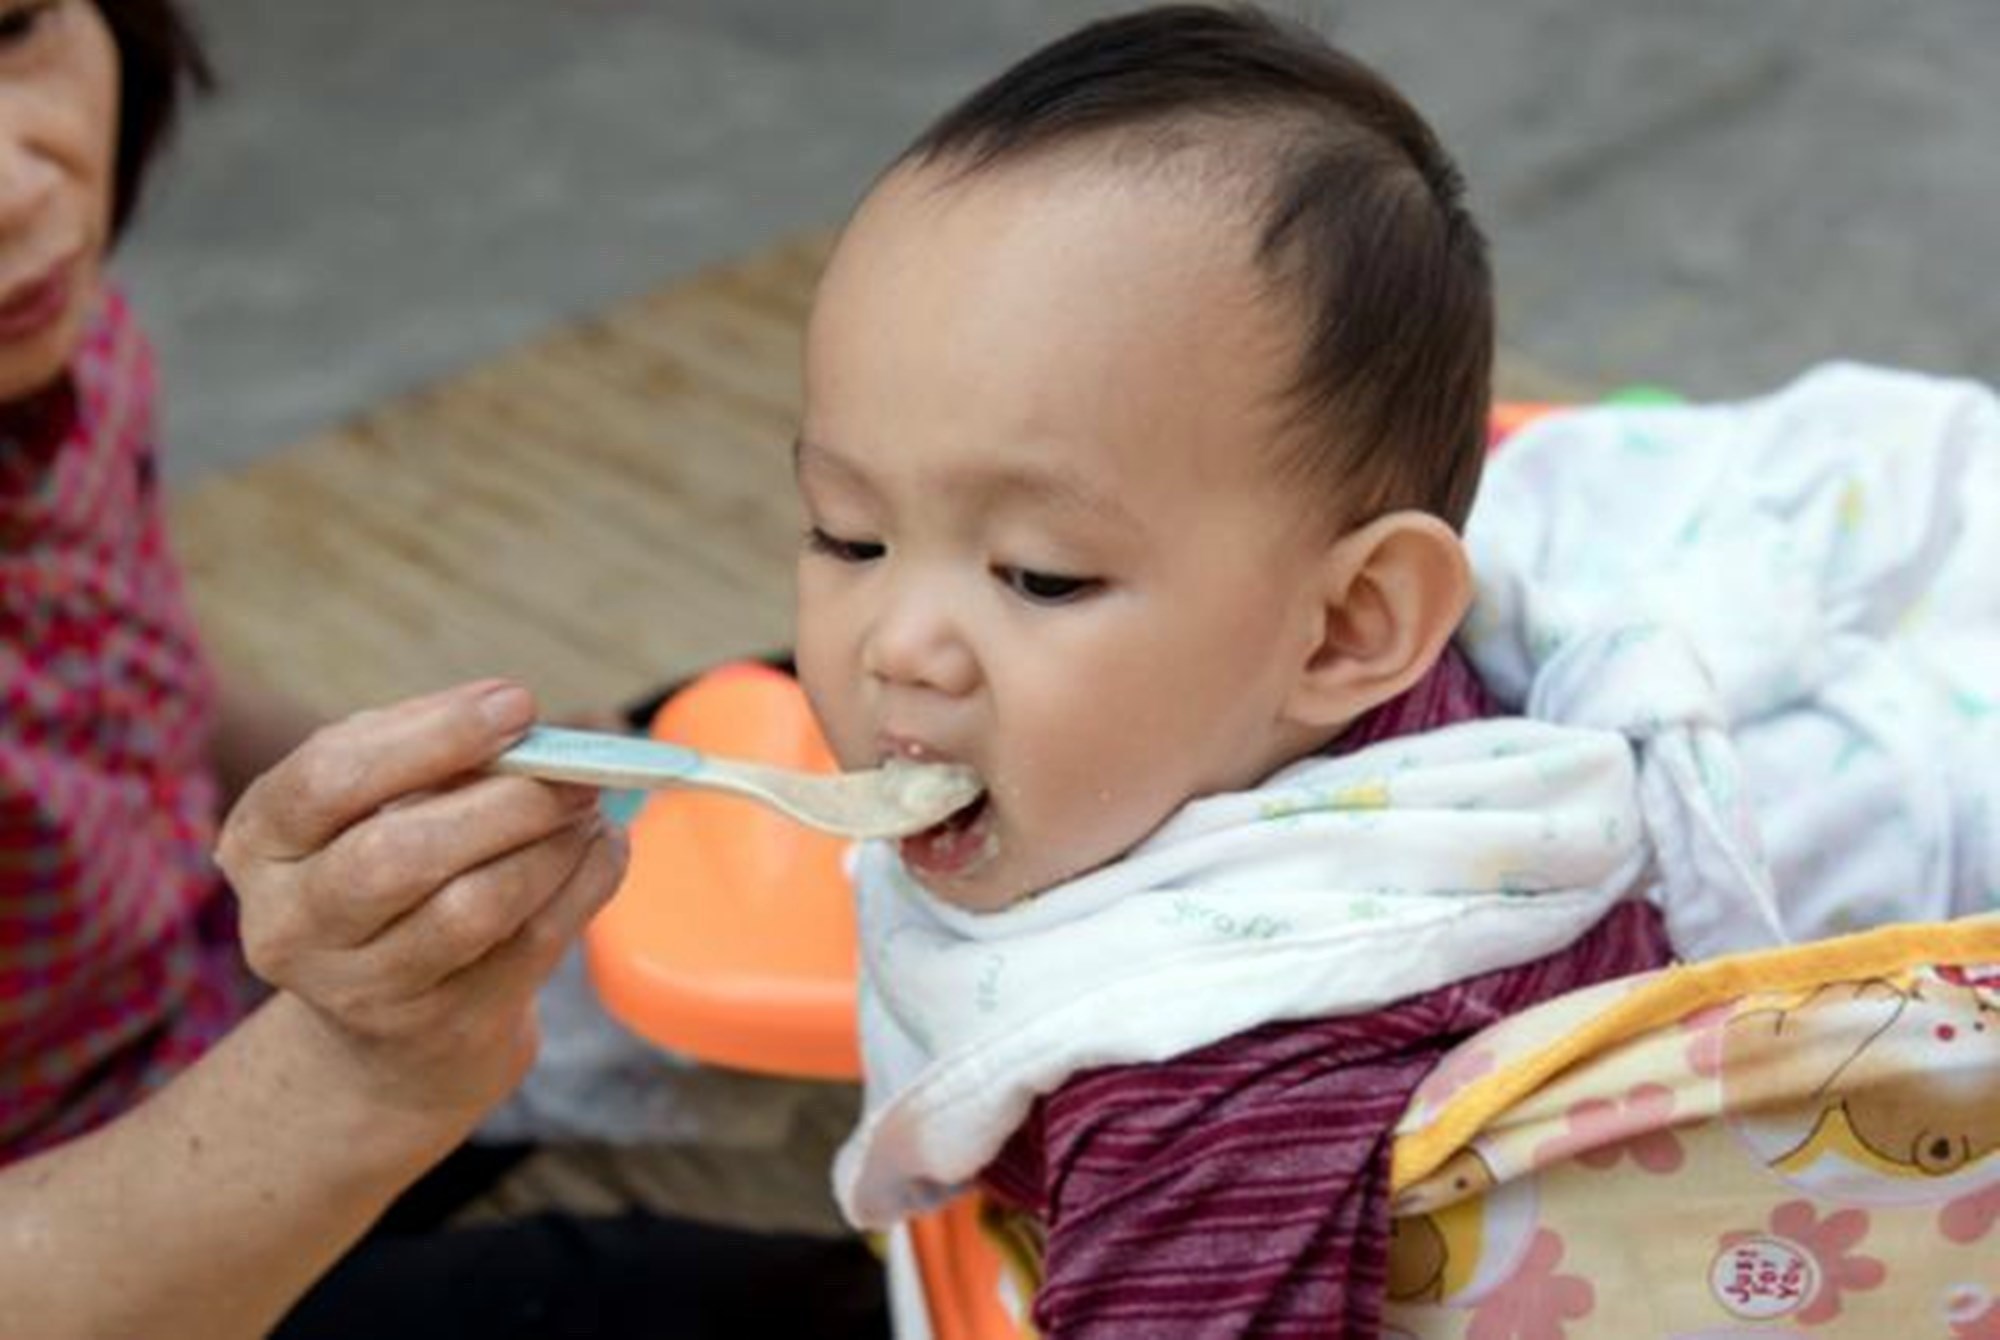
[1097, 781]
[1107, 821]
[832, 710]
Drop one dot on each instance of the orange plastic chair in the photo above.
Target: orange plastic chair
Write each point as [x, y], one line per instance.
[1510, 417]
[732, 939]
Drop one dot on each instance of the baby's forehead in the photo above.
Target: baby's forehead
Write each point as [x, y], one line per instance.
[1188, 221]
[1223, 169]
[1050, 282]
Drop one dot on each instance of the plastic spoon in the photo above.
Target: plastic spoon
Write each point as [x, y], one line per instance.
[889, 801]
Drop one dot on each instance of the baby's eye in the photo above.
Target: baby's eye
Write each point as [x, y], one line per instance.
[843, 551]
[1046, 588]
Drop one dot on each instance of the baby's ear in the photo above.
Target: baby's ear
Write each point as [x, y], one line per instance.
[1391, 595]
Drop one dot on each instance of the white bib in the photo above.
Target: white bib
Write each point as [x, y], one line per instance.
[1341, 885]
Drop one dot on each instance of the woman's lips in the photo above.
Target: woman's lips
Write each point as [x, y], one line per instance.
[30, 308]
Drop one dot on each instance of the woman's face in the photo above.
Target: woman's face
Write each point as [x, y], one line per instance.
[58, 152]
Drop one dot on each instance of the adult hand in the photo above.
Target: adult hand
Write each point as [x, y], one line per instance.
[412, 900]
[409, 905]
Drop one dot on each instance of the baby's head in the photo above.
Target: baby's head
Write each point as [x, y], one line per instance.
[1145, 395]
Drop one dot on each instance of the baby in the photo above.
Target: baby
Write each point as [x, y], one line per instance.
[1145, 397]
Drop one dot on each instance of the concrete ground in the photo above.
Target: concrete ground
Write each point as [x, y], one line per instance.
[1709, 193]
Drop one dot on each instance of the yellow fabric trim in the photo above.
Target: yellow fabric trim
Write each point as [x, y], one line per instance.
[1679, 991]
[1015, 1241]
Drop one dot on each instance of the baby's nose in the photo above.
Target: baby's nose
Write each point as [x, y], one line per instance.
[918, 642]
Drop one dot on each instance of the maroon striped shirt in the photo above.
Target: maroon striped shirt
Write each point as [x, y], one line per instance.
[1243, 1189]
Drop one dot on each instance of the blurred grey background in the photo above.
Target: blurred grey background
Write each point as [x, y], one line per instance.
[1711, 194]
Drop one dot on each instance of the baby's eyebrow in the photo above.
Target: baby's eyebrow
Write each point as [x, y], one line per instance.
[1048, 486]
[988, 485]
[807, 455]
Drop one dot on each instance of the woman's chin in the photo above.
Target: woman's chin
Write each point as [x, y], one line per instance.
[35, 363]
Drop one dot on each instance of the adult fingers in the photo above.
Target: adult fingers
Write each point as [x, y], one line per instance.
[544, 937]
[482, 909]
[515, 969]
[490, 989]
[349, 770]
[397, 861]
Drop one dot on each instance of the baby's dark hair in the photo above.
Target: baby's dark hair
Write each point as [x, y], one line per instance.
[1360, 215]
[160, 59]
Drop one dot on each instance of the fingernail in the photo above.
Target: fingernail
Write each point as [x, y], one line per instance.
[508, 709]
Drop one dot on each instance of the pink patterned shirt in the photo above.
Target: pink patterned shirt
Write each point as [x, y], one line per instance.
[117, 950]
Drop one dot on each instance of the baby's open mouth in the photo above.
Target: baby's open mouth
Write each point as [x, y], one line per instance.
[953, 846]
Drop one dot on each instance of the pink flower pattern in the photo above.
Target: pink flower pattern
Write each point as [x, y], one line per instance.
[1600, 1131]
[1971, 1216]
[1828, 1241]
[1704, 1049]
[1533, 1302]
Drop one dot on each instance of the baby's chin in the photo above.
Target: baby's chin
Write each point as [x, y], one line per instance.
[983, 890]
[981, 860]
[991, 883]
[967, 865]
